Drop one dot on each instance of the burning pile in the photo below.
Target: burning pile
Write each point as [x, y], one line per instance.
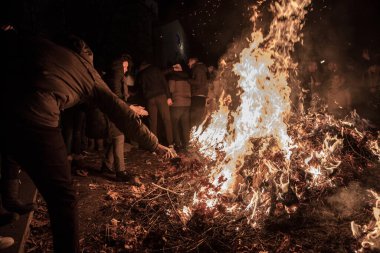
[266, 179]
[263, 160]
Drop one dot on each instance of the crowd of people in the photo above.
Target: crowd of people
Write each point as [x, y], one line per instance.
[56, 105]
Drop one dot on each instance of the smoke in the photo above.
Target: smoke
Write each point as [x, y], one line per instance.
[349, 200]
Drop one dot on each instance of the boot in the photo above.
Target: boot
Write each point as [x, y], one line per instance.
[10, 192]
[7, 217]
[123, 176]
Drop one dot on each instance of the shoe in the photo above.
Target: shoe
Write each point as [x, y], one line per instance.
[104, 169]
[124, 176]
[10, 198]
[6, 242]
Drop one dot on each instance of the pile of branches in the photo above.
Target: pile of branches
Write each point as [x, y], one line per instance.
[159, 216]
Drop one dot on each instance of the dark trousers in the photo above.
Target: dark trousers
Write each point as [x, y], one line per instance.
[181, 125]
[73, 120]
[197, 111]
[41, 152]
[10, 169]
[159, 105]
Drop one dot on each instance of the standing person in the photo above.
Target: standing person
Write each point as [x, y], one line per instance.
[114, 157]
[180, 110]
[55, 78]
[155, 90]
[199, 90]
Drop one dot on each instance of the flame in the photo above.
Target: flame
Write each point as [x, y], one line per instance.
[257, 149]
[369, 234]
[264, 107]
[373, 145]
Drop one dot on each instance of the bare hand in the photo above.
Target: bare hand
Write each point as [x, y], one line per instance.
[177, 67]
[139, 110]
[165, 152]
[170, 102]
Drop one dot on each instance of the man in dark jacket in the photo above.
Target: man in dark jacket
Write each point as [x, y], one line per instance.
[39, 81]
[199, 91]
[114, 156]
[155, 90]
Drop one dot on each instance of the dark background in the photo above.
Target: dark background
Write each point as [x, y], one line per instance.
[334, 27]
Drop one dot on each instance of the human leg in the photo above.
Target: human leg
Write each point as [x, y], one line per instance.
[164, 111]
[152, 110]
[10, 187]
[43, 156]
[175, 117]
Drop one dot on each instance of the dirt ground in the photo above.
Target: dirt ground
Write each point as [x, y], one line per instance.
[119, 217]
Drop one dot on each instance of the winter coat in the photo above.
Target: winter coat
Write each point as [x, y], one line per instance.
[152, 82]
[198, 81]
[179, 89]
[41, 79]
[115, 80]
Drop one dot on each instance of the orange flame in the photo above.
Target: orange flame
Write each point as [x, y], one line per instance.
[265, 104]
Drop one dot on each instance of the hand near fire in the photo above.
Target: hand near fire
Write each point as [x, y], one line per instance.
[177, 67]
[139, 110]
[165, 152]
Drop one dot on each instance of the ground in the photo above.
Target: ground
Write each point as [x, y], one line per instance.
[119, 217]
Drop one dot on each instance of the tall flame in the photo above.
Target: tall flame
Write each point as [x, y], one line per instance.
[258, 129]
[264, 94]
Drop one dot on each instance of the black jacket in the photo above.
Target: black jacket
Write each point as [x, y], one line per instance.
[115, 78]
[152, 82]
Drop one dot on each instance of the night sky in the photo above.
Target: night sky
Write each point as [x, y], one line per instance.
[210, 25]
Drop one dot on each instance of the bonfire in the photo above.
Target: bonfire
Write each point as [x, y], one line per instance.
[257, 167]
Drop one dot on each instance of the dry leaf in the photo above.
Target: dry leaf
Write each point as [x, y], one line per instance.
[113, 195]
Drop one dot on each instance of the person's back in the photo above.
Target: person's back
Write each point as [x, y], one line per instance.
[49, 82]
[199, 81]
[152, 82]
[199, 90]
[180, 89]
[155, 90]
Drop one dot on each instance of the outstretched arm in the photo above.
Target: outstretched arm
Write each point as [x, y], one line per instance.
[123, 117]
[128, 121]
